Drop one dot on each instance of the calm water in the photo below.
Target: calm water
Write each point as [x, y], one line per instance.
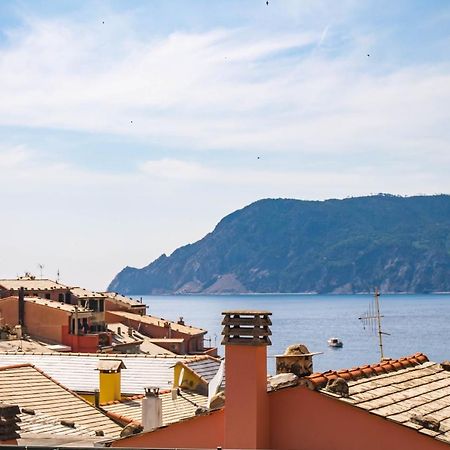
[415, 323]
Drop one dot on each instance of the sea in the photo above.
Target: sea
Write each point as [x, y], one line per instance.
[414, 323]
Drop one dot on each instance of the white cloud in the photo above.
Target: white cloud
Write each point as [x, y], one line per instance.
[222, 89]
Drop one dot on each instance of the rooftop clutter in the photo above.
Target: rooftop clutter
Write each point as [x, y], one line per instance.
[399, 403]
[86, 321]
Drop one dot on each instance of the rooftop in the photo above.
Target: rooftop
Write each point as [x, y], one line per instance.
[78, 371]
[122, 299]
[30, 388]
[182, 407]
[206, 367]
[34, 284]
[159, 321]
[58, 305]
[85, 293]
[411, 391]
[147, 345]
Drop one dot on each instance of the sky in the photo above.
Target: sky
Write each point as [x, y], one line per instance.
[128, 129]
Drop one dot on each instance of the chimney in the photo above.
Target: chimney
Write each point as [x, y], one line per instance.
[109, 379]
[246, 337]
[8, 422]
[22, 306]
[151, 409]
[297, 359]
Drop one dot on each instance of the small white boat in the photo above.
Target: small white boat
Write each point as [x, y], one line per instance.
[335, 342]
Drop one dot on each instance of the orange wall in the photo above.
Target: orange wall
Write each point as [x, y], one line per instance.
[307, 420]
[246, 412]
[9, 311]
[199, 432]
[85, 343]
[300, 419]
[40, 321]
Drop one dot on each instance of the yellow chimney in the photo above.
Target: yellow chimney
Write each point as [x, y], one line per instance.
[110, 379]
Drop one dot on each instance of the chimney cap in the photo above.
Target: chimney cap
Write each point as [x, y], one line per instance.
[110, 365]
[246, 327]
[151, 391]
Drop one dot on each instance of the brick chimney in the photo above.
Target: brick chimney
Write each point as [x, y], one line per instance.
[246, 337]
[151, 409]
[109, 381]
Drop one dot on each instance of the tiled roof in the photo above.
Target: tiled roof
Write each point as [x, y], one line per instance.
[31, 284]
[58, 305]
[147, 345]
[33, 422]
[410, 391]
[85, 293]
[183, 407]
[122, 299]
[319, 380]
[159, 321]
[30, 388]
[205, 367]
[78, 371]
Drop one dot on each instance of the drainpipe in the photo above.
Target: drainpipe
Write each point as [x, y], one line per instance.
[246, 337]
[22, 306]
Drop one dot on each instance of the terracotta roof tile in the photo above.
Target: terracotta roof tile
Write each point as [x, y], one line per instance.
[319, 380]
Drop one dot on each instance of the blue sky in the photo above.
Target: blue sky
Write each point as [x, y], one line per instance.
[130, 128]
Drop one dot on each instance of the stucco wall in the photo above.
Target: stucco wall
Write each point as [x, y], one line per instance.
[307, 420]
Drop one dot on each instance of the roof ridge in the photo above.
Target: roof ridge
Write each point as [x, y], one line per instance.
[320, 379]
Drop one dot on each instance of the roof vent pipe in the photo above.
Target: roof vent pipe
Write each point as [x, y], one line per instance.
[151, 409]
[21, 306]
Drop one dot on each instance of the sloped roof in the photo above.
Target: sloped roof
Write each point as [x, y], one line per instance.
[78, 371]
[410, 391]
[30, 388]
[34, 284]
[125, 300]
[147, 344]
[204, 366]
[85, 293]
[35, 423]
[58, 305]
[159, 321]
[183, 407]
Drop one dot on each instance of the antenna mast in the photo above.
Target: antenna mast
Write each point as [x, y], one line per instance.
[372, 317]
[41, 267]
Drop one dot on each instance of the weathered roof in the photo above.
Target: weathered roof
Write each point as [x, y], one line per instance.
[35, 423]
[205, 367]
[183, 407]
[85, 293]
[34, 284]
[78, 371]
[159, 321]
[58, 305]
[110, 365]
[122, 299]
[30, 388]
[26, 345]
[147, 344]
[411, 391]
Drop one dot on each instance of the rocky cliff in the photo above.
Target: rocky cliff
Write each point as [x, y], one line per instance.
[400, 244]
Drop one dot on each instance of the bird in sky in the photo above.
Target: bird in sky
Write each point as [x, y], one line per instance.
[267, 2]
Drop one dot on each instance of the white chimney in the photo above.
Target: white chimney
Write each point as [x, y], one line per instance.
[151, 409]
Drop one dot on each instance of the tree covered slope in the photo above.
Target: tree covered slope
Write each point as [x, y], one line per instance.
[400, 244]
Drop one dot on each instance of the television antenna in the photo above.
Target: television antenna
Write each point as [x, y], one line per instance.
[41, 267]
[372, 320]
